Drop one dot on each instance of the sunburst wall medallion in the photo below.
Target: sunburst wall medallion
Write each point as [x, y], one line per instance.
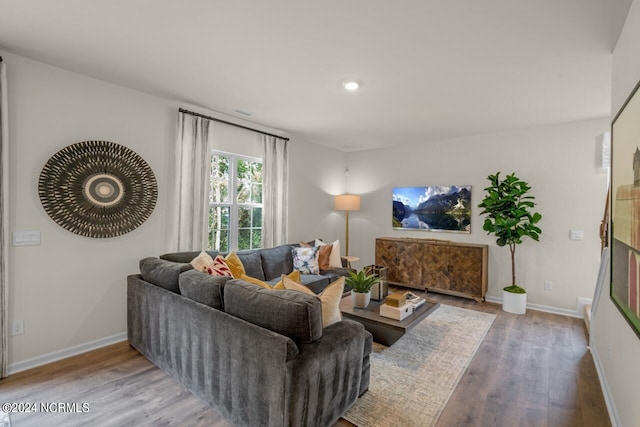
[98, 189]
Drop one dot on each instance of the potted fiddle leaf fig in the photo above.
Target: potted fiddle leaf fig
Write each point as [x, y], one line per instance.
[361, 284]
[508, 206]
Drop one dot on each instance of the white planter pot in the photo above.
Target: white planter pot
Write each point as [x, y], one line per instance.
[360, 300]
[514, 303]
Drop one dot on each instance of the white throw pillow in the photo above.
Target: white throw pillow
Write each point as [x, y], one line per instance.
[330, 298]
[334, 259]
[203, 262]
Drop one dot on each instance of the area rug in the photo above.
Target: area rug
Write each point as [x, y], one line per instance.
[412, 380]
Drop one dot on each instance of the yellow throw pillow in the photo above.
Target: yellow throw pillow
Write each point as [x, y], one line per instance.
[235, 265]
[295, 275]
[255, 281]
[330, 298]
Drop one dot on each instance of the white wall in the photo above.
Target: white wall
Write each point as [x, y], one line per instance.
[71, 290]
[317, 173]
[615, 346]
[557, 161]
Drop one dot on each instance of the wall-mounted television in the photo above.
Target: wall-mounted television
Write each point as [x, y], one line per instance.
[433, 208]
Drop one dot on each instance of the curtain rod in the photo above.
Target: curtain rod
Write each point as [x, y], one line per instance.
[182, 110]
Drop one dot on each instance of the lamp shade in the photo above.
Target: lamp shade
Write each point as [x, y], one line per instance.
[347, 202]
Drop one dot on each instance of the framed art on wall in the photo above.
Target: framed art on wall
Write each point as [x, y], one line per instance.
[443, 208]
[625, 185]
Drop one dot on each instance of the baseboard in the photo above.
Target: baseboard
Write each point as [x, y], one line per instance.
[545, 308]
[64, 353]
[606, 391]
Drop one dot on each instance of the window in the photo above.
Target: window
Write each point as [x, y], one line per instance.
[235, 203]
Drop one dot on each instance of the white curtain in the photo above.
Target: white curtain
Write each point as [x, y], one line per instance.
[274, 191]
[191, 192]
[4, 220]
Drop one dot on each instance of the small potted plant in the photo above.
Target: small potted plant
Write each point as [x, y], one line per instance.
[507, 206]
[361, 284]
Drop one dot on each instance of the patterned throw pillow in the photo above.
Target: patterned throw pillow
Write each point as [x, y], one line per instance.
[220, 267]
[305, 260]
[215, 267]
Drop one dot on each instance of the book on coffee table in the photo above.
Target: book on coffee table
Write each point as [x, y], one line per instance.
[414, 300]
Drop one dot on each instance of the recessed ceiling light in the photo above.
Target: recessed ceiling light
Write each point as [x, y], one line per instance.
[351, 85]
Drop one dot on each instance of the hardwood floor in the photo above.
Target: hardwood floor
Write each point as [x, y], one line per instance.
[531, 370]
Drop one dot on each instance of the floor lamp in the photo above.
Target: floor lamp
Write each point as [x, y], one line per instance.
[347, 202]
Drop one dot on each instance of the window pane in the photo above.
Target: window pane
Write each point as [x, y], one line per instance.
[219, 179]
[256, 235]
[256, 221]
[219, 217]
[243, 169]
[219, 240]
[244, 217]
[219, 228]
[244, 239]
[249, 181]
[257, 172]
[256, 194]
[244, 192]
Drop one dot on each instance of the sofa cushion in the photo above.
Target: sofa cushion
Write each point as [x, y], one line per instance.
[293, 314]
[163, 273]
[315, 282]
[277, 285]
[203, 288]
[330, 299]
[305, 260]
[276, 261]
[185, 257]
[252, 263]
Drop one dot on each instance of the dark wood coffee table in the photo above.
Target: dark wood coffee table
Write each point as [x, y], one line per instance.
[385, 330]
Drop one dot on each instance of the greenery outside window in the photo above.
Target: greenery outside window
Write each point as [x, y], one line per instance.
[235, 202]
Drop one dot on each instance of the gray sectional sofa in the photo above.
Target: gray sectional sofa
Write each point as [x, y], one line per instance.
[260, 357]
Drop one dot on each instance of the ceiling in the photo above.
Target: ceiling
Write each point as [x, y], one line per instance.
[430, 69]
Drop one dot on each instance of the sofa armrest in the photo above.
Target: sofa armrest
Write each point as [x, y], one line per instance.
[338, 272]
[325, 379]
[234, 366]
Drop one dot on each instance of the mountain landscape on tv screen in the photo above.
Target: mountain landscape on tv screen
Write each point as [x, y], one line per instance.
[432, 208]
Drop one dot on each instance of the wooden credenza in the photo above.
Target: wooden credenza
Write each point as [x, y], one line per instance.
[436, 265]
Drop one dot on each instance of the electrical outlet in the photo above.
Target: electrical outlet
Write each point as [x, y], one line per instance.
[548, 285]
[17, 327]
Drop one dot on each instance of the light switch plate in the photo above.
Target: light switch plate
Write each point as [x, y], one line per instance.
[26, 238]
[576, 235]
